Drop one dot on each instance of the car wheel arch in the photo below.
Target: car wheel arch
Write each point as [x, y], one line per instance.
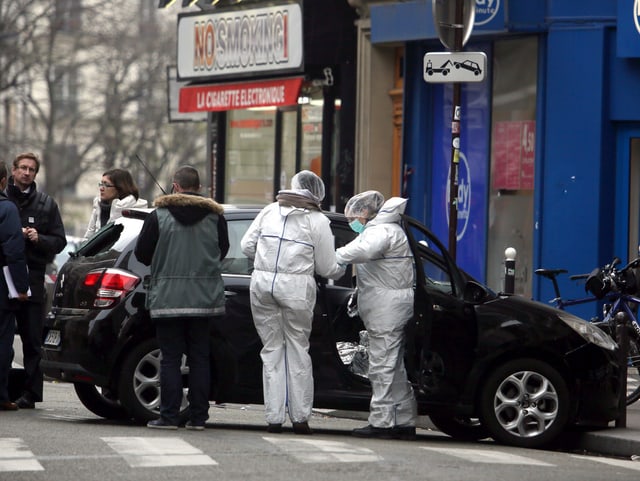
[223, 372]
[480, 372]
[508, 421]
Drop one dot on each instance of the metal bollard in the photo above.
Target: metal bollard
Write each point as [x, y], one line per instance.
[622, 338]
[509, 270]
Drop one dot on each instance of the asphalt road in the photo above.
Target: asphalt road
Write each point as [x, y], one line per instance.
[61, 440]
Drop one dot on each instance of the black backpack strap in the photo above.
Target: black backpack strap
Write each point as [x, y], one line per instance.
[47, 200]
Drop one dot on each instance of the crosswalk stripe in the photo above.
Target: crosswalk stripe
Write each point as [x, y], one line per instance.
[14, 456]
[147, 452]
[322, 451]
[488, 456]
[621, 463]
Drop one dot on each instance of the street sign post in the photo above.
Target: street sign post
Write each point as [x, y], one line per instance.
[453, 21]
[453, 18]
[447, 67]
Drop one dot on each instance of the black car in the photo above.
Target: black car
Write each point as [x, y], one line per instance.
[482, 364]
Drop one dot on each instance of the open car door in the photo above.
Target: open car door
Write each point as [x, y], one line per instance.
[442, 337]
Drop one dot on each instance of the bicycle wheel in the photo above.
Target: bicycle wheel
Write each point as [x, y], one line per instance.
[633, 369]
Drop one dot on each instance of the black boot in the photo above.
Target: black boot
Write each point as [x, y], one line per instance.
[302, 428]
[370, 431]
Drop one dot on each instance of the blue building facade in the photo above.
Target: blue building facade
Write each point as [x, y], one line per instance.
[549, 141]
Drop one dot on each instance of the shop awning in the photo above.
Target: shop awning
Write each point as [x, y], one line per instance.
[244, 95]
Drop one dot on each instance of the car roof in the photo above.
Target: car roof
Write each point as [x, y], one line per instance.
[232, 209]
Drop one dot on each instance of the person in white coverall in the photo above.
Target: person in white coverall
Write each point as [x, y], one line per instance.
[385, 275]
[290, 240]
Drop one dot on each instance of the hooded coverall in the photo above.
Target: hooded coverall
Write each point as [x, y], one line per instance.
[385, 275]
[289, 244]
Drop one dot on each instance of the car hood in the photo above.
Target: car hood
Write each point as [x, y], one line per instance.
[524, 322]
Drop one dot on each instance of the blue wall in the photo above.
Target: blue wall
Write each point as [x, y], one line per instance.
[588, 109]
[577, 175]
[418, 133]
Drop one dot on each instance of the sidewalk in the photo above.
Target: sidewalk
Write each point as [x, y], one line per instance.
[611, 441]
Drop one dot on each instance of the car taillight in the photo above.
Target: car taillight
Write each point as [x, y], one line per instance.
[112, 285]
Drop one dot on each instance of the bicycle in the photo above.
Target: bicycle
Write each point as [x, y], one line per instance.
[619, 290]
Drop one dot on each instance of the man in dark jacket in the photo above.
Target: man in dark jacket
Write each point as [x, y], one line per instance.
[184, 241]
[44, 237]
[12, 259]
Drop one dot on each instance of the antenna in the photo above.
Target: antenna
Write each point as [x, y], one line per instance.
[150, 174]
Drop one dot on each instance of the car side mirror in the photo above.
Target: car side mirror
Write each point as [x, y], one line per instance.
[475, 293]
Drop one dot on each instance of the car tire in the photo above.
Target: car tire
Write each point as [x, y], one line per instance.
[96, 400]
[525, 403]
[139, 383]
[459, 427]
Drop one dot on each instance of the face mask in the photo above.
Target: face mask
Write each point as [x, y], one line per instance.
[356, 226]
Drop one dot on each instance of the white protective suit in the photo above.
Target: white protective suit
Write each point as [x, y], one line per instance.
[385, 276]
[289, 245]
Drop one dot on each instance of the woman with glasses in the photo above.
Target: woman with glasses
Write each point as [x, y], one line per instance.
[118, 191]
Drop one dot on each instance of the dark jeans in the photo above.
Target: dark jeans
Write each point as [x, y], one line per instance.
[30, 321]
[7, 333]
[190, 336]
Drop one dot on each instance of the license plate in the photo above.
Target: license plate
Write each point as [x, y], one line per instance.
[52, 339]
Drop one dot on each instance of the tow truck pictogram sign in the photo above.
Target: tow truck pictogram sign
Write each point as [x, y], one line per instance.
[441, 67]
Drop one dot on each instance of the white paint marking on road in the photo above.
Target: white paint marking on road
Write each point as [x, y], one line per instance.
[320, 451]
[78, 457]
[49, 414]
[14, 456]
[621, 463]
[148, 452]
[488, 456]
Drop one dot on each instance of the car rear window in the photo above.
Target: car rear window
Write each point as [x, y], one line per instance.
[112, 238]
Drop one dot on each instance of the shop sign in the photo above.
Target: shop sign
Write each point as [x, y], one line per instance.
[514, 155]
[219, 97]
[628, 31]
[173, 94]
[464, 196]
[489, 14]
[237, 42]
[473, 175]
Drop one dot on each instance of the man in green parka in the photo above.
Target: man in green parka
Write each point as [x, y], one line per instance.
[184, 241]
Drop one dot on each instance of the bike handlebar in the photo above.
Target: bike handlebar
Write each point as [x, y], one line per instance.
[602, 279]
[576, 277]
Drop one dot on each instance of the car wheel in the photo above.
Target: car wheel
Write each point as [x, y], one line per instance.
[459, 427]
[99, 401]
[139, 383]
[525, 403]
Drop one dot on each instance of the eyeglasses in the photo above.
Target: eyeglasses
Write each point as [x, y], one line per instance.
[26, 168]
[105, 185]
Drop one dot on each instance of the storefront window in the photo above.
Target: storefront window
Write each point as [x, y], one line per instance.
[250, 156]
[312, 137]
[289, 143]
[513, 134]
[264, 149]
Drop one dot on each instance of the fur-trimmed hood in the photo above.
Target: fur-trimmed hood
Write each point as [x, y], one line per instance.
[187, 207]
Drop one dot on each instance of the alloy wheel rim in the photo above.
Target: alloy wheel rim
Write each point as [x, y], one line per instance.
[146, 381]
[526, 404]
